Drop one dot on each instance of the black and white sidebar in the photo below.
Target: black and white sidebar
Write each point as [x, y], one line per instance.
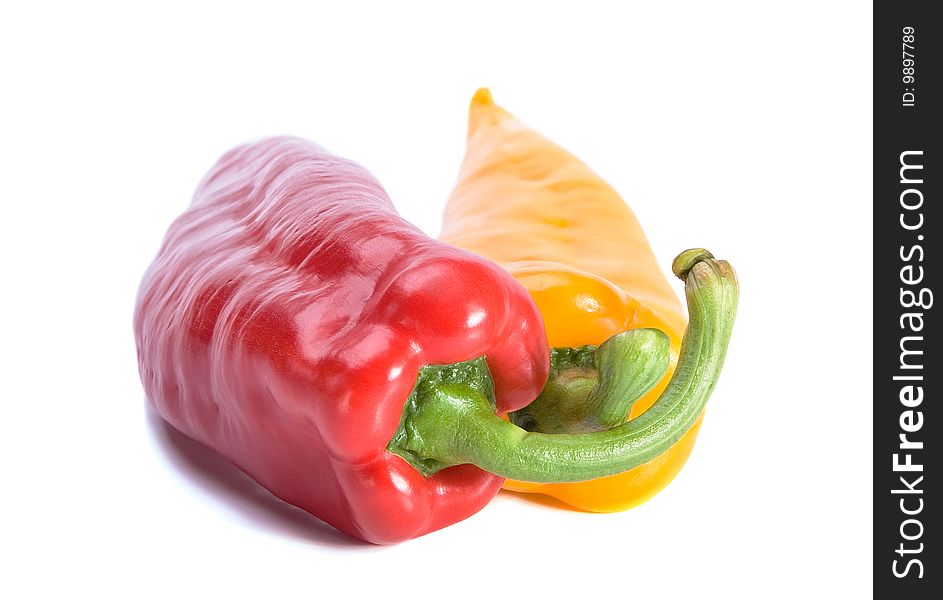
[908, 269]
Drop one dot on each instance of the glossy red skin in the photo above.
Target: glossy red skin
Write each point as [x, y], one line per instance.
[283, 324]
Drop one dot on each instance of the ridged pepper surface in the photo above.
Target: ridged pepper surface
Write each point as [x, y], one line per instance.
[285, 320]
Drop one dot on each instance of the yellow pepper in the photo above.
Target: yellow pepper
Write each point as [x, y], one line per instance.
[567, 236]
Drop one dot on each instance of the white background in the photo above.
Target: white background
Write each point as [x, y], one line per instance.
[741, 127]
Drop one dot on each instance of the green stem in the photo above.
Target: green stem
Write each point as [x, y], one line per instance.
[591, 389]
[449, 421]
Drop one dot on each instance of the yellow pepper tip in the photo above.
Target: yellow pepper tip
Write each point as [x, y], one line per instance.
[482, 97]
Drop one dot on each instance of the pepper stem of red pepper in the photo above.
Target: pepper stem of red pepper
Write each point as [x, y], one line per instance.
[449, 422]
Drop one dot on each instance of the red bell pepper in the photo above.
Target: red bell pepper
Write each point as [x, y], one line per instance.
[285, 319]
[357, 368]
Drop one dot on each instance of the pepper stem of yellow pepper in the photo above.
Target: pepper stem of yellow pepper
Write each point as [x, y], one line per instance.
[448, 424]
[591, 389]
